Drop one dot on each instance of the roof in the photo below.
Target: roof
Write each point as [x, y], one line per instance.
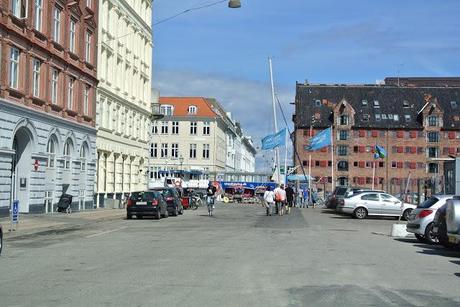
[182, 104]
[319, 101]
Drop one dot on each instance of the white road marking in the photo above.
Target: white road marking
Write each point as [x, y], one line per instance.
[105, 232]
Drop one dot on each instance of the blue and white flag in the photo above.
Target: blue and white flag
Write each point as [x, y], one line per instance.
[379, 152]
[320, 140]
[274, 140]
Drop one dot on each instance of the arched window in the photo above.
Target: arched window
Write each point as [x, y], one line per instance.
[51, 153]
[67, 153]
[83, 155]
[192, 110]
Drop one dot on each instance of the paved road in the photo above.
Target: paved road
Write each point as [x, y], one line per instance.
[240, 257]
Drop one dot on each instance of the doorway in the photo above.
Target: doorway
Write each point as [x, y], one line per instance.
[21, 168]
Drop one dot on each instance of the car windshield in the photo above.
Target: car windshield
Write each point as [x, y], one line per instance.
[429, 202]
[340, 191]
[147, 196]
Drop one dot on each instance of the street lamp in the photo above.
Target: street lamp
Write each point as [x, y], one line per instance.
[234, 4]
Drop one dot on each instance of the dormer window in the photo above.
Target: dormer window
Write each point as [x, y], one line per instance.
[432, 121]
[376, 104]
[406, 104]
[407, 117]
[192, 110]
[344, 120]
[453, 104]
[364, 102]
[167, 110]
[317, 103]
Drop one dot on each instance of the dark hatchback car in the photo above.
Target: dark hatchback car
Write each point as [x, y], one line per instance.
[173, 200]
[148, 203]
[440, 227]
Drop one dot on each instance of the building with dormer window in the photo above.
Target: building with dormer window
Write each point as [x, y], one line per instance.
[416, 120]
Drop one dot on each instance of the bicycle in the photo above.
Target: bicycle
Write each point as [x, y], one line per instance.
[195, 202]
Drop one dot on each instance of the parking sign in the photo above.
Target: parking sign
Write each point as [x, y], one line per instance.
[15, 210]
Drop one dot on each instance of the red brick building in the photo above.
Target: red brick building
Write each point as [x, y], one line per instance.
[47, 102]
[417, 124]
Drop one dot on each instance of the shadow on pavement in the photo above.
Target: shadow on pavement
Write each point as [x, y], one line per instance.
[407, 240]
[457, 274]
[455, 262]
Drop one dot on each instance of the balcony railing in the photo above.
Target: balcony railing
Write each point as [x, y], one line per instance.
[156, 112]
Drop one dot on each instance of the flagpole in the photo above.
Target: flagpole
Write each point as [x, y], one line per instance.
[332, 157]
[285, 158]
[373, 174]
[277, 152]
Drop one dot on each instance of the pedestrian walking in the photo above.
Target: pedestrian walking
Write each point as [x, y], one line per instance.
[269, 198]
[280, 199]
[305, 198]
[289, 197]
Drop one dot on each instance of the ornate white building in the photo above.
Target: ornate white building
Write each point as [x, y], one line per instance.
[123, 97]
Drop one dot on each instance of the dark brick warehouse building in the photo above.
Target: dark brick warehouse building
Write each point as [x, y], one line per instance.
[416, 120]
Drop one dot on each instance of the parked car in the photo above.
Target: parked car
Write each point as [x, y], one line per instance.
[1, 239]
[172, 199]
[453, 220]
[362, 204]
[440, 227]
[421, 219]
[340, 193]
[146, 203]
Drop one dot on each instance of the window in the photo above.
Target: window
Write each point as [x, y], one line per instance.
[88, 3]
[407, 117]
[153, 150]
[164, 127]
[88, 38]
[376, 104]
[433, 137]
[433, 152]
[154, 126]
[175, 150]
[343, 120]
[175, 127]
[70, 93]
[342, 150]
[206, 148]
[38, 15]
[396, 117]
[432, 121]
[167, 110]
[164, 150]
[206, 128]
[67, 154]
[343, 135]
[453, 104]
[19, 8]
[342, 166]
[364, 102]
[56, 24]
[54, 85]
[366, 117]
[384, 116]
[86, 100]
[36, 77]
[433, 168]
[192, 110]
[406, 104]
[83, 158]
[317, 103]
[192, 151]
[378, 117]
[342, 181]
[73, 29]
[373, 197]
[193, 128]
[51, 152]
[14, 67]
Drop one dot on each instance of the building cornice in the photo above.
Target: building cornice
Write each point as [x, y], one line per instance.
[28, 112]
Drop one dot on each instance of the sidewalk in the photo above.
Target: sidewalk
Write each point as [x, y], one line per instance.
[30, 224]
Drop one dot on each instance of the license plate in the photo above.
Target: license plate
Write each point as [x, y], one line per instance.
[140, 203]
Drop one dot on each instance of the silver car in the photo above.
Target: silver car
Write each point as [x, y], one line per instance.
[421, 219]
[374, 203]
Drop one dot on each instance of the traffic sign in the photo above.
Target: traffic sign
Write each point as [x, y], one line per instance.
[15, 214]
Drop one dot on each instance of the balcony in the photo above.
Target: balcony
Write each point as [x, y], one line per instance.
[156, 112]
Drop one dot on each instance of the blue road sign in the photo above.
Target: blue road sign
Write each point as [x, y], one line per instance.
[15, 211]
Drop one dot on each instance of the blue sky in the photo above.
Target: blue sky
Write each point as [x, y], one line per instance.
[222, 53]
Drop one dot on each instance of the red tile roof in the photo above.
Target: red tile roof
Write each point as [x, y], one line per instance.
[181, 105]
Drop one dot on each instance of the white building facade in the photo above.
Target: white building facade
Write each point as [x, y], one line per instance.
[123, 100]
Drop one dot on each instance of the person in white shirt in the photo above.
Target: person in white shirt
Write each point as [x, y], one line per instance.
[269, 198]
[280, 199]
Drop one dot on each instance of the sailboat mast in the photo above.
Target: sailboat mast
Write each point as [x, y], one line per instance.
[277, 152]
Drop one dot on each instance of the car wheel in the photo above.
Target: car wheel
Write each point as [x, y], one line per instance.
[406, 214]
[158, 214]
[129, 216]
[176, 211]
[166, 214]
[430, 236]
[360, 213]
[420, 237]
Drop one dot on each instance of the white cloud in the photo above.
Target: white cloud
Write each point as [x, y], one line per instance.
[249, 101]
